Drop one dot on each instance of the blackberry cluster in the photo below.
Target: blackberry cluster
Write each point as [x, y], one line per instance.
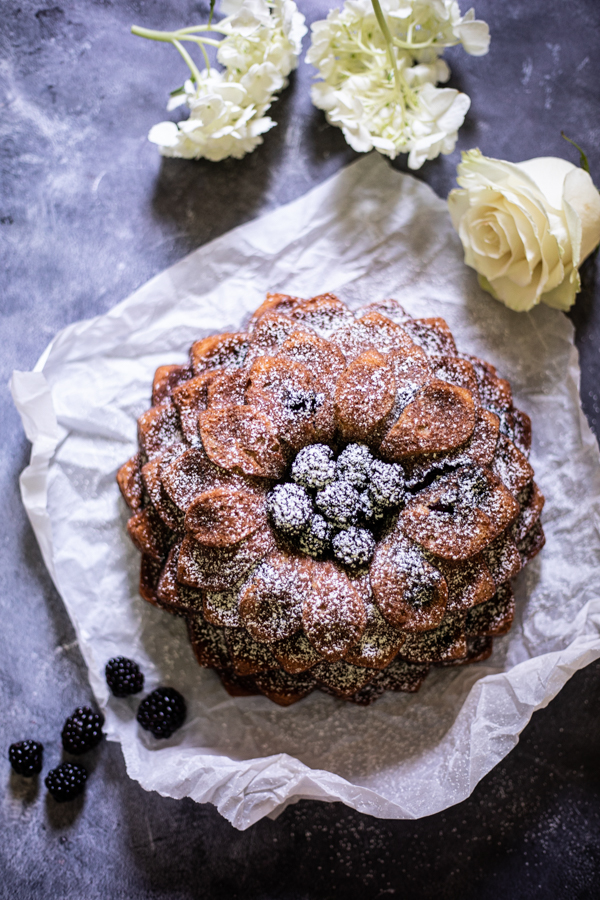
[66, 781]
[162, 712]
[354, 465]
[123, 676]
[340, 503]
[386, 484]
[26, 757]
[332, 505]
[82, 731]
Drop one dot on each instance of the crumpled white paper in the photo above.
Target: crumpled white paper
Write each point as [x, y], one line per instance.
[369, 232]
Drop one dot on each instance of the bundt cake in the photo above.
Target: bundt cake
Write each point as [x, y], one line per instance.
[333, 500]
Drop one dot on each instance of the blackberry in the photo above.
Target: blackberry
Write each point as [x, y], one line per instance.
[289, 507]
[370, 510]
[162, 712]
[26, 757]
[314, 467]
[340, 503]
[123, 676]
[353, 547]
[315, 540]
[354, 465]
[386, 485]
[82, 730]
[66, 781]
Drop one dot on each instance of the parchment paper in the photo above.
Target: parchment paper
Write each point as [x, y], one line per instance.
[367, 233]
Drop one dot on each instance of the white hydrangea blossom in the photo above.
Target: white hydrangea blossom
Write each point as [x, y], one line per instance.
[260, 47]
[258, 31]
[222, 122]
[394, 109]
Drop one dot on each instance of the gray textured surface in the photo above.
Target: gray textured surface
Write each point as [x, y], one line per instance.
[88, 212]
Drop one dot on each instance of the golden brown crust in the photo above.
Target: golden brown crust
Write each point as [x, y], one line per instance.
[270, 604]
[225, 515]
[364, 398]
[353, 582]
[244, 440]
[441, 417]
[411, 593]
[159, 429]
[129, 479]
[333, 614]
[166, 379]
[218, 351]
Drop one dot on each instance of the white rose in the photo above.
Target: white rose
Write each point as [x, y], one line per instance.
[526, 227]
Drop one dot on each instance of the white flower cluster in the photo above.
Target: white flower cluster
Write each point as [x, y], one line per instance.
[381, 89]
[261, 43]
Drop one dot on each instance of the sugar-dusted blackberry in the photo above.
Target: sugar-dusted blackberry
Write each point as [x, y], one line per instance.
[66, 781]
[123, 676]
[354, 465]
[353, 547]
[371, 511]
[162, 712]
[316, 539]
[82, 730]
[26, 757]
[314, 467]
[386, 485]
[289, 507]
[340, 503]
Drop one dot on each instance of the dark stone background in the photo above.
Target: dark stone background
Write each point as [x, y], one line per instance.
[88, 212]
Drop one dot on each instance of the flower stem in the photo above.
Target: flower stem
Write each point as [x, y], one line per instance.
[192, 65]
[194, 28]
[151, 34]
[175, 38]
[205, 55]
[183, 34]
[583, 160]
[389, 43]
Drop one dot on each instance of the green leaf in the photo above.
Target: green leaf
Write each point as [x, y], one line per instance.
[583, 160]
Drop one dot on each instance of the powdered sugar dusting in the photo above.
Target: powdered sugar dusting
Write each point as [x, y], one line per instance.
[368, 566]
